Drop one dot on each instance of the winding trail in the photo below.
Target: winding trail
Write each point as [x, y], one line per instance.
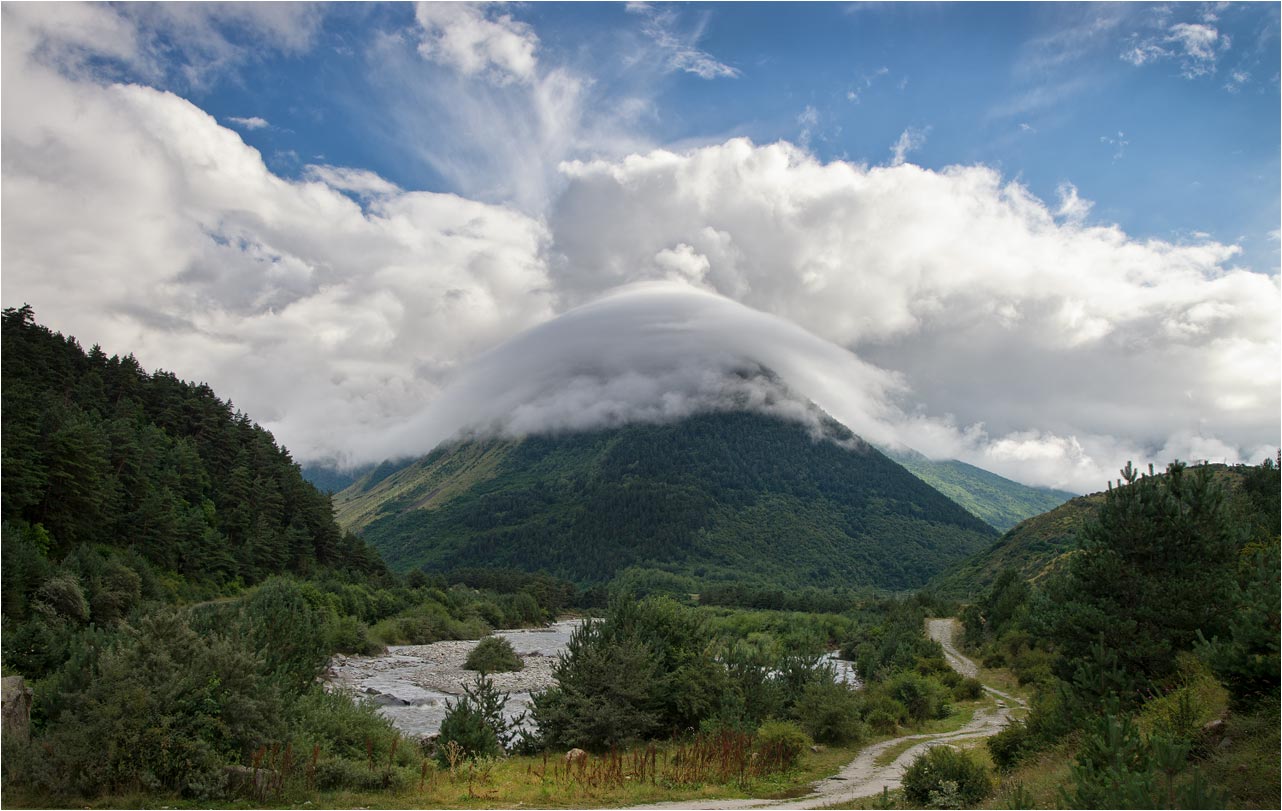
[862, 777]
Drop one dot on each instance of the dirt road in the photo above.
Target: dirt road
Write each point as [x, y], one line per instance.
[862, 777]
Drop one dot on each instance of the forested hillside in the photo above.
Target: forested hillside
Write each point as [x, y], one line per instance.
[1152, 648]
[172, 589]
[98, 451]
[1043, 543]
[997, 500]
[724, 496]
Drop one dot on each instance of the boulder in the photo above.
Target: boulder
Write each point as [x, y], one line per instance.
[575, 756]
[15, 709]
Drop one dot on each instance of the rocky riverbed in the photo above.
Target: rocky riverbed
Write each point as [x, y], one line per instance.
[412, 683]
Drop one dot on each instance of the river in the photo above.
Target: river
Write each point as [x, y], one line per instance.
[411, 683]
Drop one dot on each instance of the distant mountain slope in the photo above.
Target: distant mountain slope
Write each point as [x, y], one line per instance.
[999, 501]
[1041, 544]
[723, 496]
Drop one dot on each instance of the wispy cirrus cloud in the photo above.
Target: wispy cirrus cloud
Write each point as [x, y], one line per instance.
[1195, 46]
[679, 48]
[909, 140]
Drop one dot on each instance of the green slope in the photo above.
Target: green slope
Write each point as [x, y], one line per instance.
[1041, 544]
[728, 496]
[999, 501]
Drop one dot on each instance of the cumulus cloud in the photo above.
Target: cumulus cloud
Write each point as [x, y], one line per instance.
[950, 311]
[476, 39]
[1004, 315]
[359, 182]
[134, 220]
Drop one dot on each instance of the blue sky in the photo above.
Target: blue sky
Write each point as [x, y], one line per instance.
[1040, 238]
[1185, 142]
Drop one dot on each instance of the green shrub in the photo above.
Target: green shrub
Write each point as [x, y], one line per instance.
[943, 774]
[830, 713]
[166, 711]
[476, 725]
[781, 742]
[62, 597]
[881, 712]
[882, 722]
[347, 634]
[341, 725]
[923, 697]
[1009, 746]
[283, 628]
[494, 654]
[968, 689]
[333, 774]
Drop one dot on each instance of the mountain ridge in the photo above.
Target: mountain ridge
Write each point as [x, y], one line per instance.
[717, 496]
[999, 501]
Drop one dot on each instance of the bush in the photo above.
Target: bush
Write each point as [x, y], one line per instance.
[968, 689]
[166, 711]
[781, 742]
[62, 597]
[830, 713]
[923, 698]
[341, 725]
[476, 724]
[943, 774]
[347, 634]
[1009, 746]
[333, 774]
[282, 627]
[494, 654]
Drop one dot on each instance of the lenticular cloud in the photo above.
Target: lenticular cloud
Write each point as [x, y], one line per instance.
[653, 352]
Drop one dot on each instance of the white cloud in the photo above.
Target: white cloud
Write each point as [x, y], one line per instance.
[1237, 80]
[679, 49]
[476, 39]
[1072, 208]
[909, 140]
[1196, 46]
[651, 353]
[808, 120]
[988, 325]
[1004, 315]
[133, 220]
[251, 123]
[360, 182]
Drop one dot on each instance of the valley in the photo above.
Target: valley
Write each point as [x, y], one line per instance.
[725, 611]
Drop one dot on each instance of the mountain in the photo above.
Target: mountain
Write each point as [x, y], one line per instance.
[725, 496]
[1000, 502]
[330, 479]
[1038, 546]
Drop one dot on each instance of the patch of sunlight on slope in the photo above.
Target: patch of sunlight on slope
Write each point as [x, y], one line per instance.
[422, 485]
